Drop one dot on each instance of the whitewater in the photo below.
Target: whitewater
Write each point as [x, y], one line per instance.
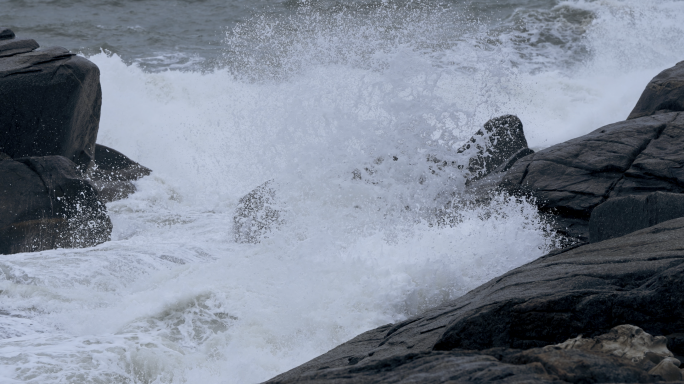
[304, 98]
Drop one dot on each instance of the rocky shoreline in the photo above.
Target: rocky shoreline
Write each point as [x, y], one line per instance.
[608, 309]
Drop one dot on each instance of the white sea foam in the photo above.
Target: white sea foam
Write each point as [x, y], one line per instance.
[173, 299]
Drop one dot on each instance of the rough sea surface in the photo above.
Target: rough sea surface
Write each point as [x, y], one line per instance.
[218, 97]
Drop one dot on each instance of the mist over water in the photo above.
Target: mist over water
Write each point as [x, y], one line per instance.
[303, 94]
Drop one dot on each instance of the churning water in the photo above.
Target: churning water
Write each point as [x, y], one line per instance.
[219, 96]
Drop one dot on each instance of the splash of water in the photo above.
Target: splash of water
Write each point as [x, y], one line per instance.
[174, 299]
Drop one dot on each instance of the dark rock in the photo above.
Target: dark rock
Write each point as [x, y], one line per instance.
[632, 157]
[491, 366]
[14, 47]
[46, 204]
[659, 166]
[675, 343]
[586, 290]
[6, 33]
[51, 103]
[575, 176]
[113, 172]
[499, 144]
[664, 93]
[256, 214]
[481, 188]
[620, 216]
[3, 156]
[114, 165]
[573, 366]
[113, 190]
[492, 149]
[513, 159]
[427, 367]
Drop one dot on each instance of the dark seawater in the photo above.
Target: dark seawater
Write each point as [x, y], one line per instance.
[218, 97]
[191, 34]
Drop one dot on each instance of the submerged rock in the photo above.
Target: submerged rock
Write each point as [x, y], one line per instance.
[50, 101]
[6, 33]
[665, 93]
[46, 204]
[587, 291]
[256, 214]
[112, 173]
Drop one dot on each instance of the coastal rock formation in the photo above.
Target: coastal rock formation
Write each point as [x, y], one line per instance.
[112, 173]
[586, 290]
[45, 203]
[50, 101]
[665, 93]
[620, 216]
[632, 157]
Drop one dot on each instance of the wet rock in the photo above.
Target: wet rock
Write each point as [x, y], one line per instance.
[537, 365]
[665, 93]
[6, 33]
[499, 143]
[577, 366]
[620, 216]
[426, 367]
[114, 165]
[587, 290]
[668, 369]
[633, 157]
[492, 149]
[626, 341]
[112, 173]
[12, 47]
[659, 166]
[256, 214]
[51, 103]
[46, 204]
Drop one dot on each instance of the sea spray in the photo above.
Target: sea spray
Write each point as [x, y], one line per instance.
[173, 299]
